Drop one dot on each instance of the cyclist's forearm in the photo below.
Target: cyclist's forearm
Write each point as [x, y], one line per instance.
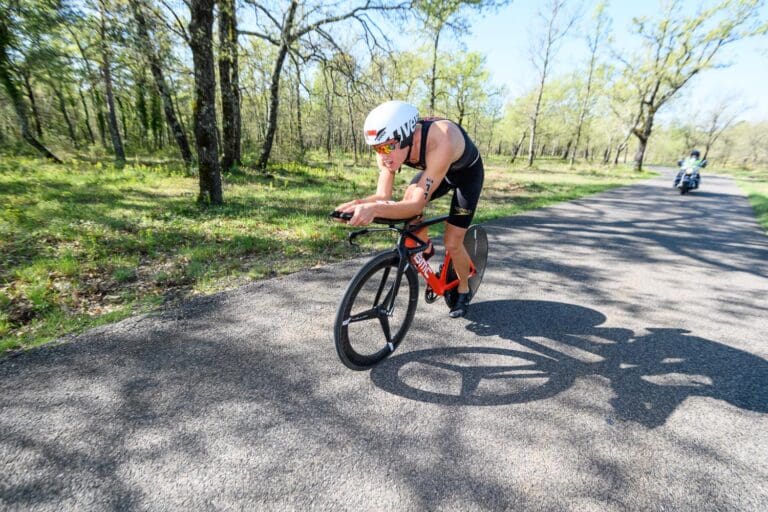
[398, 209]
[368, 199]
[375, 197]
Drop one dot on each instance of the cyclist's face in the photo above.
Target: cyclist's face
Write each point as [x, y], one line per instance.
[390, 154]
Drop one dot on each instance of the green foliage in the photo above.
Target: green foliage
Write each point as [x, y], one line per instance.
[741, 146]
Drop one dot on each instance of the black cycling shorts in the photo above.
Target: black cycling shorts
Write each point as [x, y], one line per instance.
[466, 185]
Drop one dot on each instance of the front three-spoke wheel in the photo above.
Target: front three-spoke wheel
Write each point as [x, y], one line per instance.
[376, 312]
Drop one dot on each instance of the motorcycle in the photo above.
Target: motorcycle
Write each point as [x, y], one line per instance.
[689, 177]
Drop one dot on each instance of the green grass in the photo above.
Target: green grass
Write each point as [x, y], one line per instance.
[754, 183]
[84, 244]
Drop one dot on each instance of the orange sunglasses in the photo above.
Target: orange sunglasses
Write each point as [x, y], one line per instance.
[386, 148]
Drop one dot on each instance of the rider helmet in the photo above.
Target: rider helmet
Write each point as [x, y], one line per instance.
[695, 154]
[393, 120]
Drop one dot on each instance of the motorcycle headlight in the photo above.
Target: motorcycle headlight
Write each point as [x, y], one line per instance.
[689, 171]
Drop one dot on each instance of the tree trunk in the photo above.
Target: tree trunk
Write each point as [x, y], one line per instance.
[201, 44]
[328, 115]
[32, 103]
[642, 136]
[621, 147]
[274, 89]
[65, 114]
[299, 126]
[123, 120]
[106, 73]
[141, 109]
[539, 95]
[518, 146]
[433, 78]
[582, 115]
[274, 102]
[566, 151]
[637, 164]
[95, 96]
[594, 43]
[156, 120]
[13, 92]
[100, 122]
[230, 93]
[162, 88]
[491, 132]
[87, 121]
[532, 140]
[352, 127]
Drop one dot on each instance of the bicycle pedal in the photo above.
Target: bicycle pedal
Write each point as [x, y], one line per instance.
[429, 295]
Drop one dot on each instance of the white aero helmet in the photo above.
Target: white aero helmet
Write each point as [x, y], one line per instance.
[391, 120]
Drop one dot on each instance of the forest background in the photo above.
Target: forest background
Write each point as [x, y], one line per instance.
[156, 145]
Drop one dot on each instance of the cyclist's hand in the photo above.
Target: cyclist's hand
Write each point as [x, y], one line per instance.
[348, 207]
[363, 214]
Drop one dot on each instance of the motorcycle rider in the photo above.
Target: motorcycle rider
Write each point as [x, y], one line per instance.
[694, 161]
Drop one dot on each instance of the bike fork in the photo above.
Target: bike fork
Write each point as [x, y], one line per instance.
[388, 306]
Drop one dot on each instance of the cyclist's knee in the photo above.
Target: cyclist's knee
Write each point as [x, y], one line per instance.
[453, 241]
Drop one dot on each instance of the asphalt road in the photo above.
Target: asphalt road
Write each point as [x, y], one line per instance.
[615, 358]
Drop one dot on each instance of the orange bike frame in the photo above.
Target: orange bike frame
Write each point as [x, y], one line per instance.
[439, 284]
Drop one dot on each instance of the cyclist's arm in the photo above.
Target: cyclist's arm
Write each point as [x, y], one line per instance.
[438, 160]
[385, 184]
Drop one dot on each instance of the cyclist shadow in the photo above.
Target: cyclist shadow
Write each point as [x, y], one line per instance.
[556, 343]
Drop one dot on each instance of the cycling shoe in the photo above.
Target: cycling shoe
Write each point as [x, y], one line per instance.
[461, 306]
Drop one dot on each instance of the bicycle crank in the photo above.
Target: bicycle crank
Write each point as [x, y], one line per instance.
[429, 295]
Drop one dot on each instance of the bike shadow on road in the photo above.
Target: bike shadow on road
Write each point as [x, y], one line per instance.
[555, 343]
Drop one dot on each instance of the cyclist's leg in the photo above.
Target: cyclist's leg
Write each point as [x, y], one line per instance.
[454, 244]
[463, 206]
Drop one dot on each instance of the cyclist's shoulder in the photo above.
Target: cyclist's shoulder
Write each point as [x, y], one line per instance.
[444, 131]
[443, 123]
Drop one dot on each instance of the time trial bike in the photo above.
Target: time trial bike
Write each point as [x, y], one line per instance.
[380, 302]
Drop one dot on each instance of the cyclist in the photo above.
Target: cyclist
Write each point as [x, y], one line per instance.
[446, 159]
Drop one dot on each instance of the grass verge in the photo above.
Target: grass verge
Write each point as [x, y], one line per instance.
[754, 183]
[84, 244]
